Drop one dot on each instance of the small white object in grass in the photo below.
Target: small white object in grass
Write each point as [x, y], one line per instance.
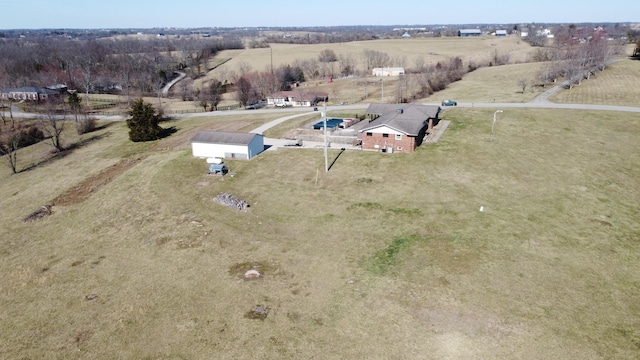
[481, 208]
[251, 274]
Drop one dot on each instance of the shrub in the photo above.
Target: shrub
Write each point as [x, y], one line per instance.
[85, 125]
[143, 124]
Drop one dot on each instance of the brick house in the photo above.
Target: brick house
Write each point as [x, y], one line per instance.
[398, 127]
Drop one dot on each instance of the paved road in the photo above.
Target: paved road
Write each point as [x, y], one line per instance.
[166, 88]
[539, 102]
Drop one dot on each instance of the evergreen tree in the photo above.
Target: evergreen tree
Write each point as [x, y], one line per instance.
[143, 122]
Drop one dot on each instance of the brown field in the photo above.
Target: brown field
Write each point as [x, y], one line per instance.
[491, 84]
[431, 50]
[383, 257]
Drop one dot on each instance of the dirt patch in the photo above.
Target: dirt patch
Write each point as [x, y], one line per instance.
[88, 186]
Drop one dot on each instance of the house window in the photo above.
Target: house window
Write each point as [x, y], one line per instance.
[398, 136]
[369, 134]
[385, 135]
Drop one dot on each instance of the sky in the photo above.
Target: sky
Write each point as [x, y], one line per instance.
[92, 14]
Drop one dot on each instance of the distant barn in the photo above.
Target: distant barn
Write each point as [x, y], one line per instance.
[469, 32]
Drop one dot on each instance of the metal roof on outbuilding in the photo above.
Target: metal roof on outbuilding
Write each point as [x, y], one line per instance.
[223, 137]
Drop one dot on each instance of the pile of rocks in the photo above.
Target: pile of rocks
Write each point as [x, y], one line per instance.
[231, 201]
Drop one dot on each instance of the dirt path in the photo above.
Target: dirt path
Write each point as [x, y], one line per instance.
[90, 185]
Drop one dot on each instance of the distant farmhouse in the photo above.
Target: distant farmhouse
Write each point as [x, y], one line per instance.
[501, 32]
[32, 93]
[388, 71]
[469, 32]
[398, 127]
[296, 98]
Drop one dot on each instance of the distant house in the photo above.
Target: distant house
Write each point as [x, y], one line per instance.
[469, 32]
[226, 145]
[397, 127]
[388, 71]
[27, 94]
[296, 98]
[501, 32]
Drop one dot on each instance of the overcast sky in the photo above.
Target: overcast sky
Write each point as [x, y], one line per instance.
[47, 14]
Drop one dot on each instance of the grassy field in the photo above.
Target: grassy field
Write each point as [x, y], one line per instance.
[431, 50]
[386, 256]
[495, 83]
[617, 85]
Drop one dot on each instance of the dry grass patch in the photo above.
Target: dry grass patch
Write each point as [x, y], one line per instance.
[163, 264]
[617, 85]
[431, 49]
[493, 84]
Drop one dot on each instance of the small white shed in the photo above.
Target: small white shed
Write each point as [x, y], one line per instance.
[226, 145]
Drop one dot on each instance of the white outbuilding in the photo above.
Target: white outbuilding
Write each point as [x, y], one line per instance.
[388, 71]
[226, 145]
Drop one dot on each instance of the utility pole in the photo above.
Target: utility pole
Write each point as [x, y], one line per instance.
[326, 156]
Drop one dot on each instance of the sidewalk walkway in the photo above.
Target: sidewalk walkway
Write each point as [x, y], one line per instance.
[261, 129]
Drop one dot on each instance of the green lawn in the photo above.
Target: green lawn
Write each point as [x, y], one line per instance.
[386, 256]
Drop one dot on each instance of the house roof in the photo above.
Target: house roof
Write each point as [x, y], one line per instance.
[470, 31]
[29, 89]
[223, 137]
[299, 95]
[405, 118]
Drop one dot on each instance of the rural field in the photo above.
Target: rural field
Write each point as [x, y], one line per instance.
[523, 247]
[382, 257]
[617, 85]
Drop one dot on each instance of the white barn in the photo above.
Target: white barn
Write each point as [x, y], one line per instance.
[226, 145]
[388, 71]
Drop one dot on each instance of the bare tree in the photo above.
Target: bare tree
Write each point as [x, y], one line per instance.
[310, 68]
[327, 55]
[419, 64]
[243, 91]
[243, 68]
[88, 61]
[375, 59]
[9, 148]
[523, 83]
[347, 65]
[400, 61]
[52, 125]
[402, 88]
[6, 105]
[216, 89]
